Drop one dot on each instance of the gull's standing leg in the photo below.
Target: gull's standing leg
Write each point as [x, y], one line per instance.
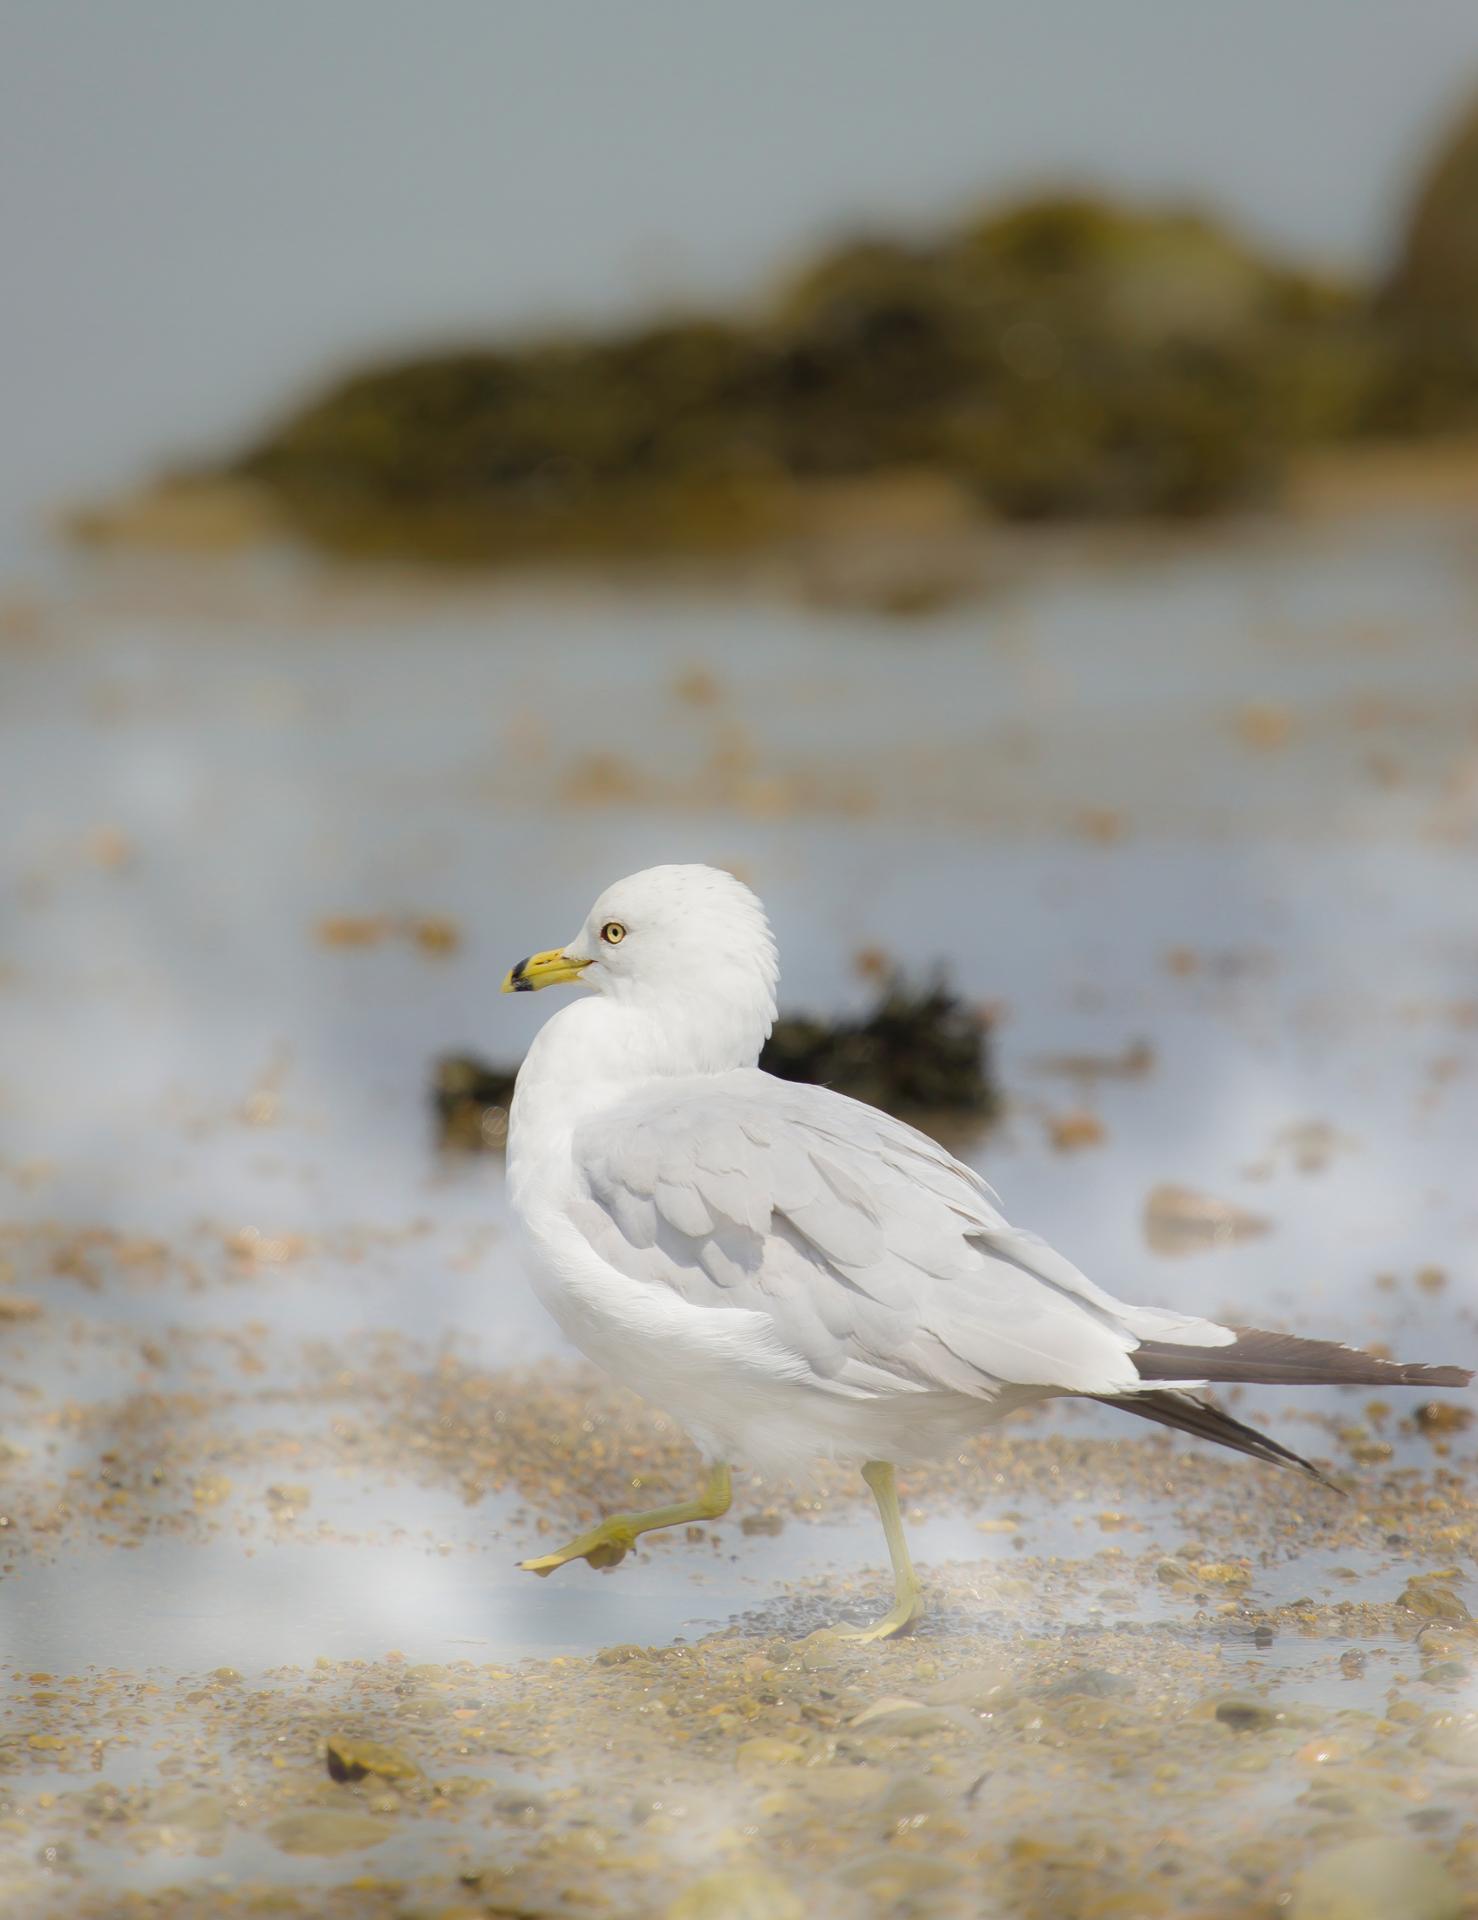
[604, 1545]
[908, 1606]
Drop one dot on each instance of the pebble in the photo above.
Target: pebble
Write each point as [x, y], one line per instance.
[1454, 1742]
[1378, 1878]
[324, 1830]
[352, 1759]
[895, 1714]
[764, 1751]
[741, 1894]
[1246, 1716]
[1433, 1599]
[1098, 1683]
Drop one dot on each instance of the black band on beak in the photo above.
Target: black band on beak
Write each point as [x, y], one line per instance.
[519, 979]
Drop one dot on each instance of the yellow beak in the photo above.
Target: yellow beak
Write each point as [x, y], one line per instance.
[552, 969]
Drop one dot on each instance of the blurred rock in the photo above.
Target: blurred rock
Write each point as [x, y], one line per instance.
[1430, 304]
[738, 1894]
[325, 1830]
[1443, 1416]
[1432, 1598]
[1063, 357]
[1178, 1220]
[1078, 1127]
[349, 1759]
[1382, 1877]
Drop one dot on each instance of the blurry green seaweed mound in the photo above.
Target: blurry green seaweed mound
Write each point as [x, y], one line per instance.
[920, 1052]
[1069, 357]
[1065, 357]
[1430, 305]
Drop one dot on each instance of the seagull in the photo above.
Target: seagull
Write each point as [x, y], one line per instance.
[792, 1274]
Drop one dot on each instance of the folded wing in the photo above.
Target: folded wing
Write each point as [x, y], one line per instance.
[882, 1262]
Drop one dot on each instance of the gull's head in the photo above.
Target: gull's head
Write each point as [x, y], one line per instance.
[685, 943]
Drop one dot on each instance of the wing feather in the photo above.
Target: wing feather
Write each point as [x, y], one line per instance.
[882, 1263]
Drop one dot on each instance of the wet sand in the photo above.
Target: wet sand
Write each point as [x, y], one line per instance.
[278, 1416]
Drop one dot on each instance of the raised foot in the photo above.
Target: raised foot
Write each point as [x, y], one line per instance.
[604, 1546]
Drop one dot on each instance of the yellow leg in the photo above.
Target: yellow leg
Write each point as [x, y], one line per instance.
[613, 1539]
[908, 1605]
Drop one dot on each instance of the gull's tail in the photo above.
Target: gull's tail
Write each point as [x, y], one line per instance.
[1286, 1360]
[1261, 1359]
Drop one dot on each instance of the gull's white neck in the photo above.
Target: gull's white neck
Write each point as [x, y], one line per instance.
[602, 1048]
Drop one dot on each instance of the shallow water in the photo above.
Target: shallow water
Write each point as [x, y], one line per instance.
[1223, 800]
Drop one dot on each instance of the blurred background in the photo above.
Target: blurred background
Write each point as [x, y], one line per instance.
[1005, 482]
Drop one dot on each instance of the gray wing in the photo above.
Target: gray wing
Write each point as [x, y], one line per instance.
[881, 1261]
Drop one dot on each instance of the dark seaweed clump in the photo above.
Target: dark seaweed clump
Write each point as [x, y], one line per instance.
[919, 1052]
[469, 1102]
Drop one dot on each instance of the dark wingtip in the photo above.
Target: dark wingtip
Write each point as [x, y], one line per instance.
[1189, 1413]
[1438, 1376]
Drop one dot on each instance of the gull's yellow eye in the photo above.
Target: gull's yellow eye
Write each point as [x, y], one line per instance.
[613, 933]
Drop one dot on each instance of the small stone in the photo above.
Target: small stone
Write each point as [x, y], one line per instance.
[764, 1751]
[983, 1689]
[521, 1808]
[908, 1803]
[895, 1713]
[1380, 1878]
[1433, 1598]
[1265, 726]
[352, 1759]
[1455, 1742]
[435, 934]
[899, 1882]
[1246, 1716]
[743, 1894]
[1352, 1663]
[1078, 1127]
[1178, 1220]
[844, 1786]
[1097, 1683]
[182, 1810]
[1439, 1639]
[1443, 1416]
[1222, 1573]
[326, 1830]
